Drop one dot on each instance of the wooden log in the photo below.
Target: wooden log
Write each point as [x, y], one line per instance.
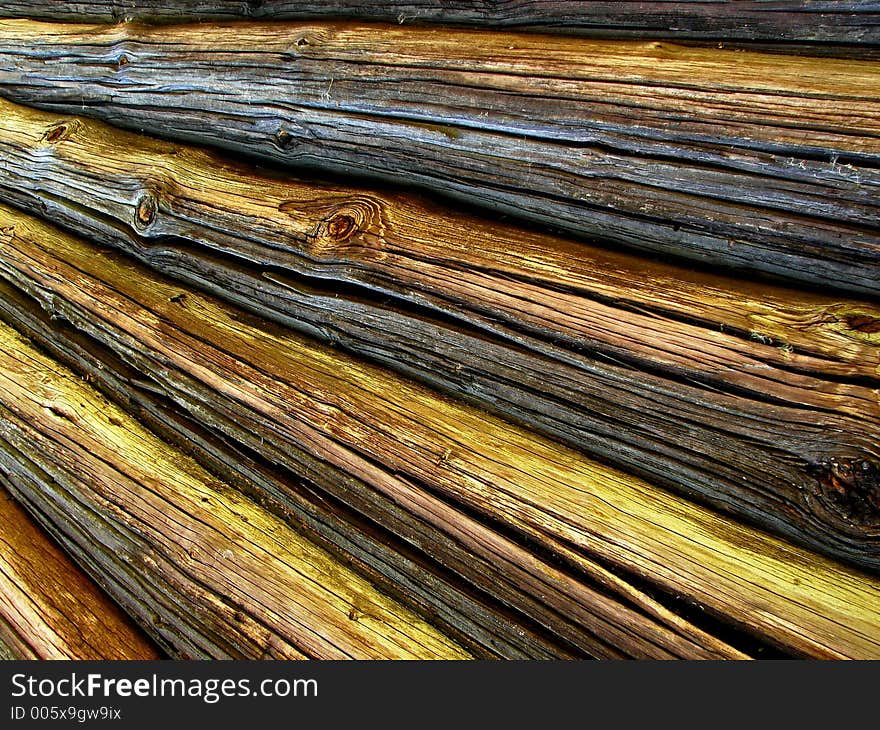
[579, 612]
[783, 20]
[205, 570]
[759, 162]
[421, 581]
[49, 608]
[760, 400]
[280, 394]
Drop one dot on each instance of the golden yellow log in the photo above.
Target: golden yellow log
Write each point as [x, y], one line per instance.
[397, 435]
[206, 571]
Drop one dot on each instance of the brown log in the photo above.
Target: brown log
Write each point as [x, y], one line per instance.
[49, 609]
[757, 162]
[760, 400]
[280, 394]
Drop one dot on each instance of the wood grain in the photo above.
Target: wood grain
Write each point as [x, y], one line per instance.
[850, 23]
[49, 609]
[758, 162]
[550, 612]
[287, 394]
[760, 400]
[206, 571]
[449, 584]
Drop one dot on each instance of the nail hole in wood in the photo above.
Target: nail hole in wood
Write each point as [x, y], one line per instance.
[284, 139]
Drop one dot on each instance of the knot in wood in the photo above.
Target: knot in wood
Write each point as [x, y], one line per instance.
[347, 228]
[849, 489]
[145, 213]
[341, 227]
[359, 218]
[284, 140]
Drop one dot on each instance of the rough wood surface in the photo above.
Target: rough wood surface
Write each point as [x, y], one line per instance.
[599, 614]
[287, 395]
[583, 614]
[782, 20]
[204, 569]
[761, 400]
[761, 162]
[13, 652]
[49, 609]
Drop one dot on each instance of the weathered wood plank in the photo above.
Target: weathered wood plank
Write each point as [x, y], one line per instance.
[205, 570]
[49, 609]
[280, 394]
[783, 20]
[761, 400]
[760, 162]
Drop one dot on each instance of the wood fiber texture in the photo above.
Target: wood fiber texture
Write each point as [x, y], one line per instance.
[583, 617]
[760, 400]
[281, 394]
[49, 608]
[760, 162]
[206, 571]
[517, 615]
[849, 23]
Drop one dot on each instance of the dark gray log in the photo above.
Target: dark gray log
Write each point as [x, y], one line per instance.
[757, 162]
[851, 23]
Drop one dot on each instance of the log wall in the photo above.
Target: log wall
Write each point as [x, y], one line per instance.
[721, 390]
[282, 395]
[440, 330]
